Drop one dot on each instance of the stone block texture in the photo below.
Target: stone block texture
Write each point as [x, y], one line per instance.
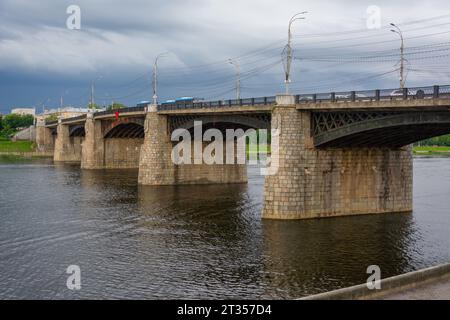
[93, 151]
[67, 149]
[312, 183]
[99, 152]
[157, 168]
[122, 153]
[45, 140]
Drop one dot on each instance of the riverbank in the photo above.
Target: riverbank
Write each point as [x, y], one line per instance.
[21, 149]
[8, 146]
[30, 154]
[426, 284]
[431, 151]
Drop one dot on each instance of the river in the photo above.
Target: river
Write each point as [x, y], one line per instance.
[198, 242]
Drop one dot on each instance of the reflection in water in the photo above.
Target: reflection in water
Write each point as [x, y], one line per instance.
[197, 241]
[308, 256]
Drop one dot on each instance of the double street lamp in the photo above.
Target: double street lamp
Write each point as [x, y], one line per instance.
[287, 52]
[402, 58]
[155, 76]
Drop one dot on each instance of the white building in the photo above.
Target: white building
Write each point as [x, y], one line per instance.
[24, 111]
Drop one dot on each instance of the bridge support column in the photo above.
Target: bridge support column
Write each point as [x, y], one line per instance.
[44, 137]
[155, 164]
[67, 149]
[312, 183]
[157, 168]
[93, 149]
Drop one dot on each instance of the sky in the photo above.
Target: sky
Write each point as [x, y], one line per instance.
[337, 47]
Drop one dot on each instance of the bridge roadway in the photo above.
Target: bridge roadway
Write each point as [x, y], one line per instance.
[332, 154]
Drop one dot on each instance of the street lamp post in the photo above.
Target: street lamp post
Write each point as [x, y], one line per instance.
[235, 63]
[288, 50]
[402, 58]
[155, 77]
[93, 91]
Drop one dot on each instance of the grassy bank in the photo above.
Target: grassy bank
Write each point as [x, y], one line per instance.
[255, 149]
[431, 150]
[16, 146]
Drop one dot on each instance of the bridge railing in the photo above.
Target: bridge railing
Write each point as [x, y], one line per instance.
[217, 104]
[429, 92]
[122, 110]
[81, 117]
[50, 122]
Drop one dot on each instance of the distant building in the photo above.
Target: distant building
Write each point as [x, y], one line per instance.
[24, 111]
[66, 112]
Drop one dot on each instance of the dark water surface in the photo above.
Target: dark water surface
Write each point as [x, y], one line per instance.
[198, 241]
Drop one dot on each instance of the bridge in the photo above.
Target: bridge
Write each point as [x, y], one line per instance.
[338, 153]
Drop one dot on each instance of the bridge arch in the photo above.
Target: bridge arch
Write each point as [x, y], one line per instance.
[132, 130]
[393, 130]
[77, 131]
[222, 122]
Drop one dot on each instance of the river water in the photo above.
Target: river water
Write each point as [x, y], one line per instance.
[195, 242]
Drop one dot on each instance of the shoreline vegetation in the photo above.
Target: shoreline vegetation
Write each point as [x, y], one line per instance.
[441, 151]
[28, 149]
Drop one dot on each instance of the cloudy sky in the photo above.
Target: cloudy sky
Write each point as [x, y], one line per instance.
[42, 60]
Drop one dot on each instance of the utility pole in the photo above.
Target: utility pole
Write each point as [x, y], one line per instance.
[92, 100]
[402, 57]
[155, 77]
[92, 95]
[287, 52]
[235, 63]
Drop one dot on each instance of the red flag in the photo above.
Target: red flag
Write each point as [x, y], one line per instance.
[117, 115]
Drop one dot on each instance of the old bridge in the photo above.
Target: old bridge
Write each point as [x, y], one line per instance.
[338, 153]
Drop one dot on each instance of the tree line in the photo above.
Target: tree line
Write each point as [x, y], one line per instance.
[437, 141]
[11, 123]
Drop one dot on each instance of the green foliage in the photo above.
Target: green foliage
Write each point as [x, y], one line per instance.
[52, 117]
[115, 106]
[437, 141]
[16, 146]
[11, 123]
[15, 121]
[93, 106]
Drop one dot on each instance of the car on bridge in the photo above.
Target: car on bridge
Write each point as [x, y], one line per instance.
[349, 96]
[399, 93]
[183, 100]
[143, 104]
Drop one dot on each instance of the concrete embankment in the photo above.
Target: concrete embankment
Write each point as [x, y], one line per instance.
[429, 283]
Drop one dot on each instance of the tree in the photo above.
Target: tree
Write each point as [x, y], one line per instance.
[52, 117]
[16, 121]
[93, 106]
[116, 105]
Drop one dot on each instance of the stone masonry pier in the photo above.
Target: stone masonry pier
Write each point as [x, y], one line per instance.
[313, 183]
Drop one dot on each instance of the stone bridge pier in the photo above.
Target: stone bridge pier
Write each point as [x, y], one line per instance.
[68, 143]
[45, 139]
[316, 182]
[156, 166]
[111, 144]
